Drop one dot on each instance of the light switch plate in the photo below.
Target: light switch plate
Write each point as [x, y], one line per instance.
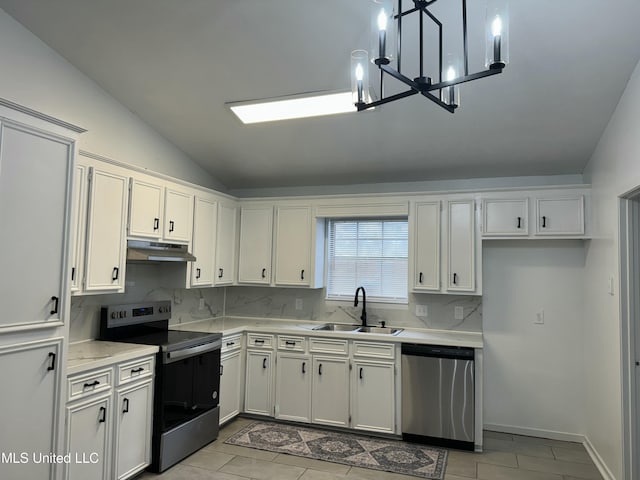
[298, 304]
[422, 311]
[458, 313]
[539, 318]
[201, 304]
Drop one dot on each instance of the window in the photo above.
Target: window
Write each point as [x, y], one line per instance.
[368, 253]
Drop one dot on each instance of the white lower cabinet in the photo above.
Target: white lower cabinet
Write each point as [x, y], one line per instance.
[88, 434]
[330, 390]
[132, 433]
[109, 419]
[373, 396]
[293, 387]
[258, 398]
[230, 384]
[30, 378]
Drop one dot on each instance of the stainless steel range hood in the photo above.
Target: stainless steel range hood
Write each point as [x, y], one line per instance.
[143, 251]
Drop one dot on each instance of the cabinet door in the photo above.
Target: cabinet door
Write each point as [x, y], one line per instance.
[330, 391]
[178, 216]
[106, 236]
[204, 239]
[373, 396]
[427, 246]
[293, 387]
[30, 376]
[147, 202]
[88, 436]
[560, 216]
[230, 383]
[34, 172]
[78, 226]
[258, 398]
[256, 227]
[505, 217]
[226, 245]
[133, 429]
[293, 246]
[461, 245]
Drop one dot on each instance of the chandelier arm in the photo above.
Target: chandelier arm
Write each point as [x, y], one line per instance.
[437, 101]
[466, 78]
[398, 76]
[382, 101]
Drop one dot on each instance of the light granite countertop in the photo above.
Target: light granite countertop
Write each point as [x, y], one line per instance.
[231, 325]
[92, 354]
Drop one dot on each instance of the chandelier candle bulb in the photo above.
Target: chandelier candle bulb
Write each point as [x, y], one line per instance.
[359, 76]
[496, 28]
[382, 33]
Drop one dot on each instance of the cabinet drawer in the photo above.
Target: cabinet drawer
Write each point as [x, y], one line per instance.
[256, 340]
[328, 345]
[231, 343]
[297, 344]
[85, 384]
[374, 350]
[132, 371]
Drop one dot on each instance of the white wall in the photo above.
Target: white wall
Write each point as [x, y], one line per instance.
[613, 170]
[533, 376]
[35, 76]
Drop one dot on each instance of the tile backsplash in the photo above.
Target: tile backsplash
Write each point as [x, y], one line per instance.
[274, 303]
[144, 283]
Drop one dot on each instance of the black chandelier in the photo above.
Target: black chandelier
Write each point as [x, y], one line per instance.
[387, 29]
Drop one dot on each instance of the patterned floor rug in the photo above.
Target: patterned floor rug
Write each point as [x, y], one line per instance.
[346, 448]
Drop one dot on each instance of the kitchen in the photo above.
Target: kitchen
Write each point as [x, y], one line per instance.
[569, 279]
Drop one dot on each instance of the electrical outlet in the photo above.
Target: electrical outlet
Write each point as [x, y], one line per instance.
[422, 311]
[201, 304]
[298, 304]
[458, 313]
[539, 318]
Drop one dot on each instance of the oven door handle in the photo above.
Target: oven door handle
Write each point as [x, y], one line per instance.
[191, 352]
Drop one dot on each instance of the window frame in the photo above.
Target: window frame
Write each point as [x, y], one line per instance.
[389, 302]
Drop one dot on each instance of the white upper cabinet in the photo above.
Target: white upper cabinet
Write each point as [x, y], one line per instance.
[461, 246]
[505, 217]
[178, 215]
[560, 216]
[226, 244]
[147, 204]
[293, 246]
[106, 224]
[34, 186]
[204, 240]
[254, 256]
[78, 226]
[160, 211]
[426, 246]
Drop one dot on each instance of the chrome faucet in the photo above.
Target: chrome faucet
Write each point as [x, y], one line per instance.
[363, 317]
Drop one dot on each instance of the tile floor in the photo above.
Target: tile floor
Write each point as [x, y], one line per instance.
[506, 457]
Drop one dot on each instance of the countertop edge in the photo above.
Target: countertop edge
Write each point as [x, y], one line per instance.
[120, 352]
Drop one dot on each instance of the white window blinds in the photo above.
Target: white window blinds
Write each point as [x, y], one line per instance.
[368, 253]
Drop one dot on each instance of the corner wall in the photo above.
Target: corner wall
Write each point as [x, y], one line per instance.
[533, 373]
[613, 170]
[37, 77]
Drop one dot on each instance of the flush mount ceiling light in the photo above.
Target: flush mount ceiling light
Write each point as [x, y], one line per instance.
[290, 107]
[449, 73]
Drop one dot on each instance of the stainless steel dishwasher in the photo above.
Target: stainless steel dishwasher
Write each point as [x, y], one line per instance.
[438, 395]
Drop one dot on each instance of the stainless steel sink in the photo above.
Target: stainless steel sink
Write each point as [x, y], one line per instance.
[383, 330]
[337, 327]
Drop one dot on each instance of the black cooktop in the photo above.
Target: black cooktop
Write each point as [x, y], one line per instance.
[147, 323]
[172, 340]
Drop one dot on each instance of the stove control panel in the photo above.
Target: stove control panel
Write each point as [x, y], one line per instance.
[135, 313]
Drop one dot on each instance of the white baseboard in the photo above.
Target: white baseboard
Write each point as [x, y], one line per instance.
[597, 459]
[563, 436]
[535, 432]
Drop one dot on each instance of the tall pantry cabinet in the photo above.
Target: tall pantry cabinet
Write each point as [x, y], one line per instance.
[36, 170]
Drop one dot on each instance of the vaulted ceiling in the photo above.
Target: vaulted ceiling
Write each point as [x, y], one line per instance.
[176, 64]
